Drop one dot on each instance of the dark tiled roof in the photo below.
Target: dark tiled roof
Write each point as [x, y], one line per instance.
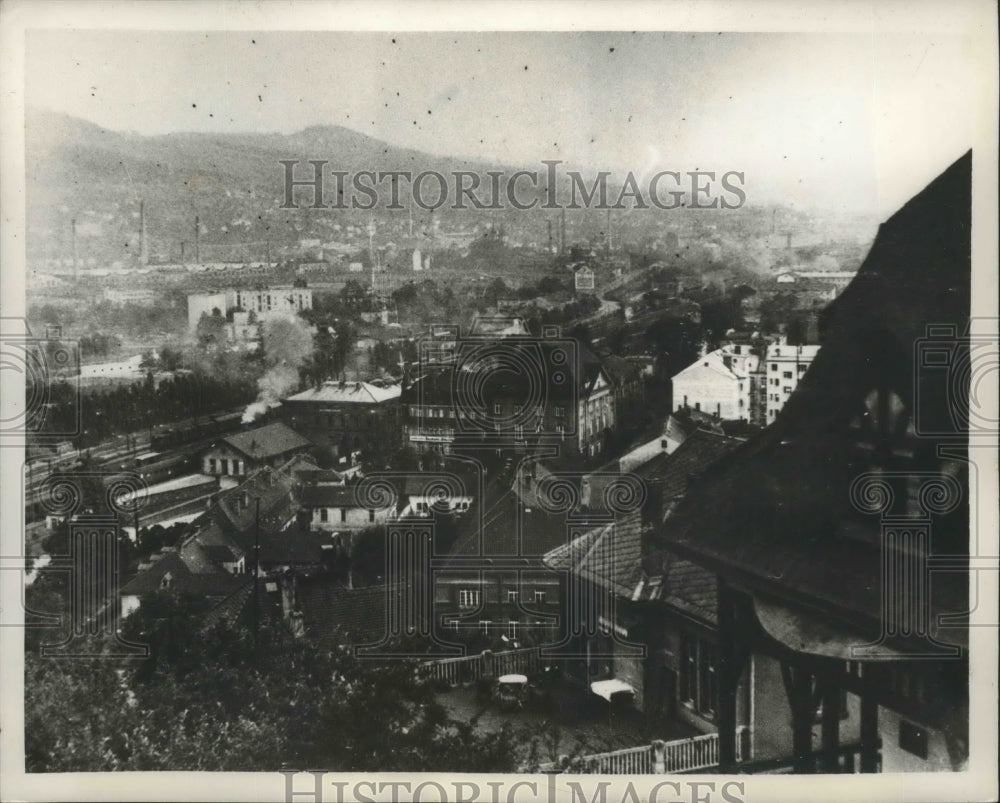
[220, 553]
[330, 496]
[271, 440]
[679, 583]
[334, 615]
[675, 472]
[236, 509]
[230, 609]
[148, 581]
[293, 547]
[608, 556]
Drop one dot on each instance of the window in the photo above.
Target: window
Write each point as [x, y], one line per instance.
[324, 514]
[468, 598]
[211, 465]
[689, 662]
[371, 514]
[343, 515]
[698, 683]
[484, 625]
[512, 627]
[774, 366]
[707, 678]
[913, 738]
[539, 595]
[787, 374]
[512, 595]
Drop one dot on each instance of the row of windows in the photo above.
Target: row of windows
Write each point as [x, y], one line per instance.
[224, 465]
[325, 513]
[417, 411]
[472, 597]
[341, 420]
[488, 626]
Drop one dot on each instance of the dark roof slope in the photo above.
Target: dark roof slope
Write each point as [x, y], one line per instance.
[271, 440]
[334, 615]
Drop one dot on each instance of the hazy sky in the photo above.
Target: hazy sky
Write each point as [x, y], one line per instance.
[815, 120]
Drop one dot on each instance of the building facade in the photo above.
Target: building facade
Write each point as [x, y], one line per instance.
[786, 365]
[346, 417]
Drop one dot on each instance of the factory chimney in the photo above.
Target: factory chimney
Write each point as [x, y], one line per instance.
[197, 239]
[143, 244]
[76, 260]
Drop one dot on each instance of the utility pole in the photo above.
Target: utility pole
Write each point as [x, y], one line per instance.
[256, 573]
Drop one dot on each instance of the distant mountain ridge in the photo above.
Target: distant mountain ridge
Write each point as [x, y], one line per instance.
[232, 182]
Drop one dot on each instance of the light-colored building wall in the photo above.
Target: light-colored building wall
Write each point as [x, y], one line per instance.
[204, 303]
[786, 365]
[332, 519]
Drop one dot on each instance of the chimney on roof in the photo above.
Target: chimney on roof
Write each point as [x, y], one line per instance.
[651, 515]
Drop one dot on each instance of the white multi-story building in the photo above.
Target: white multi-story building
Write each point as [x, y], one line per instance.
[720, 383]
[270, 300]
[785, 366]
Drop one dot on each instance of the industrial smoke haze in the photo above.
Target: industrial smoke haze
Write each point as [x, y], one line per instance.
[287, 344]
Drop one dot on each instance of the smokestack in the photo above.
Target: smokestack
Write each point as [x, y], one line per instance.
[182, 251]
[76, 266]
[143, 245]
[607, 242]
[267, 252]
[548, 224]
[197, 239]
[562, 232]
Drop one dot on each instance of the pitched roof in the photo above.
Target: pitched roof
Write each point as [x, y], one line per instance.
[236, 509]
[674, 473]
[680, 583]
[333, 615]
[293, 547]
[350, 393]
[270, 440]
[345, 496]
[216, 583]
[609, 556]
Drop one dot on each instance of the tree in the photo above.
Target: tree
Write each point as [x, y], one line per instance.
[210, 330]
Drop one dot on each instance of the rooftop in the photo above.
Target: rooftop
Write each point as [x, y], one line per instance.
[350, 393]
[270, 440]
